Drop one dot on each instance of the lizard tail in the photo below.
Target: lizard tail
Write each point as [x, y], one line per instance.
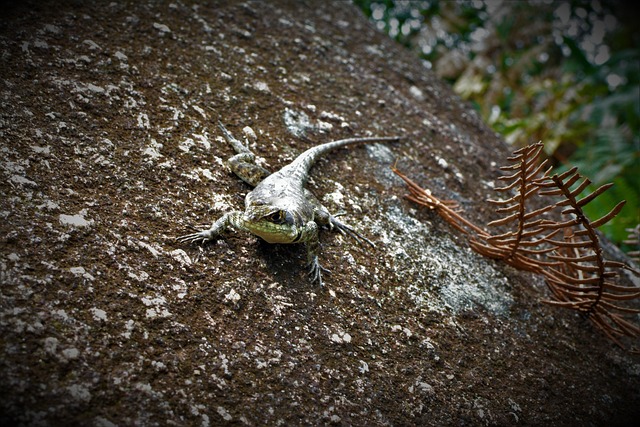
[305, 161]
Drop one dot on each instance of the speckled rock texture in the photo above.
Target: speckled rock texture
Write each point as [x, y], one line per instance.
[110, 149]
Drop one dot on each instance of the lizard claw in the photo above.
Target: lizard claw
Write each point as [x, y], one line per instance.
[200, 237]
[315, 272]
[205, 236]
[346, 230]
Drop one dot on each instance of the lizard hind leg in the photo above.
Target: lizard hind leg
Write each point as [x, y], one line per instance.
[244, 167]
[243, 164]
[348, 230]
[323, 217]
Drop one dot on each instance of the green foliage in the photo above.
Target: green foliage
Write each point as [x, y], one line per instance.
[564, 73]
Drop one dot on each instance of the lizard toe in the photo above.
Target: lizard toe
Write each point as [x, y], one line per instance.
[193, 238]
[316, 270]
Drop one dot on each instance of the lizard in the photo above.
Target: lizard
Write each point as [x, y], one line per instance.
[280, 209]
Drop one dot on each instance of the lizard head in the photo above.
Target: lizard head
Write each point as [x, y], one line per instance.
[272, 223]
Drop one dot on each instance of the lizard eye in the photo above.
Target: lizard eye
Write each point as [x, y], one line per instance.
[277, 217]
[281, 217]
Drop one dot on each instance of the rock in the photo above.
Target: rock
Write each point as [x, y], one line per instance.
[106, 320]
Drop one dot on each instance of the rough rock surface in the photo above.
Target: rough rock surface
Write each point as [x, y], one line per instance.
[110, 150]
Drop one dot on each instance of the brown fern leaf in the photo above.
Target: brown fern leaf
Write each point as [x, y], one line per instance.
[521, 246]
[578, 275]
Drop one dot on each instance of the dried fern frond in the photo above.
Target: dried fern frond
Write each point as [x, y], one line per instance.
[584, 280]
[557, 240]
[521, 246]
[447, 209]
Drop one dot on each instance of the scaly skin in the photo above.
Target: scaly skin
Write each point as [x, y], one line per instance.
[280, 209]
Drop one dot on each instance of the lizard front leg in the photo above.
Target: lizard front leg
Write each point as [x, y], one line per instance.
[229, 219]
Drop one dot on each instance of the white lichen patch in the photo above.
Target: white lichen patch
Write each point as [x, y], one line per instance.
[186, 144]
[50, 345]
[490, 294]
[417, 93]
[196, 173]
[224, 413]
[21, 180]
[129, 325]
[52, 29]
[161, 27]
[438, 272]
[120, 56]
[200, 111]
[154, 249]
[77, 220]
[156, 307]
[383, 154]
[60, 315]
[152, 151]
[41, 44]
[180, 287]
[91, 44]
[323, 126]
[327, 115]
[181, 256]
[442, 162]
[406, 331]
[71, 353]
[203, 139]
[232, 296]
[336, 197]
[46, 150]
[261, 87]
[142, 120]
[98, 314]
[340, 337]
[221, 202]
[94, 88]
[81, 272]
[249, 133]
[297, 122]
[79, 392]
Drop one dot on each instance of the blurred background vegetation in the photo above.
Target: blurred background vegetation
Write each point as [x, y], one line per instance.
[566, 73]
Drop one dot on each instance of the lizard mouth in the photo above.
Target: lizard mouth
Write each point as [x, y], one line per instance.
[275, 233]
[270, 231]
